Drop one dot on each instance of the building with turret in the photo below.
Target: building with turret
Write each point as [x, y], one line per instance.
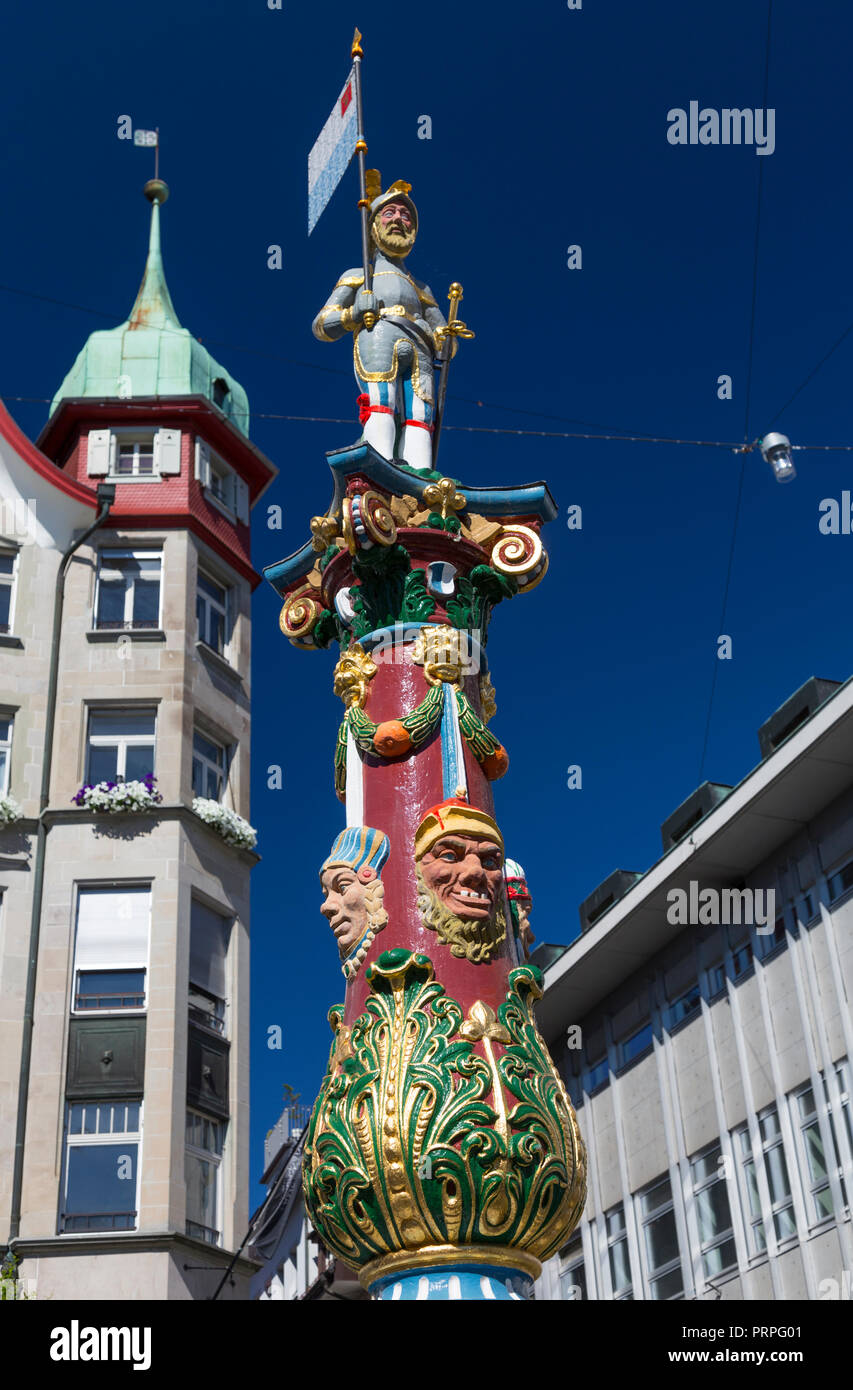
[125, 844]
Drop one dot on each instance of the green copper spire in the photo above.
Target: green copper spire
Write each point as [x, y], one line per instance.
[151, 354]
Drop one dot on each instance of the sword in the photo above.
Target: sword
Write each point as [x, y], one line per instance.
[454, 328]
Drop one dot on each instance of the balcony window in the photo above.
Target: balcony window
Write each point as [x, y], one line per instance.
[205, 1140]
[121, 745]
[128, 590]
[212, 613]
[209, 767]
[101, 1174]
[660, 1236]
[8, 567]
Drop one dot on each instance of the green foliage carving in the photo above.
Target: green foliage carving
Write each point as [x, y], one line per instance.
[377, 597]
[418, 1138]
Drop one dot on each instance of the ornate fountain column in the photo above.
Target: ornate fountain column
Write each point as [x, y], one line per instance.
[443, 1159]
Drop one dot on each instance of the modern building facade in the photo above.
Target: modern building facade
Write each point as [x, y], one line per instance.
[702, 1023]
[124, 936]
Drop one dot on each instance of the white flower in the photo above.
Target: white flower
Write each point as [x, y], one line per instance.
[10, 811]
[123, 796]
[233, 828]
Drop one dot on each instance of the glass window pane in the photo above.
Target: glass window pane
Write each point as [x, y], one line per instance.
[661, 1240]
[806, 1103]
[768, 1124]
[4, 758]
[823, 1203]
[785, 1224]
[90, 1119]
[5, 606]
[101, 1179]
[110, 602]
[7, 564]
[752, 1188]
[146, 602]
[720, 1258]
[110, 989]
[103, 764]
[656, 1196]
[573, 1283]
[139, 763]
[706, 1165]
[620, 1266]
[615, 1221]
[667, 1286]
[115, 723]
[75, 1119]
[814, 1152]
[712, 1210]
[207, 747]
[213, 590]
[777, 1175]
[133, 1116]
[201, 1191]
[633, 1046]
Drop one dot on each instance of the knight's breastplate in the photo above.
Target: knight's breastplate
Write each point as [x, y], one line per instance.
[396, 293]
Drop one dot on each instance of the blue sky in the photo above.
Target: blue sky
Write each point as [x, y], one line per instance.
[548, 129]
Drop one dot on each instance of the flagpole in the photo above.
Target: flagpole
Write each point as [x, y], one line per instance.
[157, 153]
[361, 151]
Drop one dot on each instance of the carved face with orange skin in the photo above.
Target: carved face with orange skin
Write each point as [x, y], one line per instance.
[465, 874]
[346, 905]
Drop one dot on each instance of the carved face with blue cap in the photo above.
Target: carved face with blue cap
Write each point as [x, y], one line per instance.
[353, 892]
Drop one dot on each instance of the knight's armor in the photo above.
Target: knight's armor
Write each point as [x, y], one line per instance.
[393, 360]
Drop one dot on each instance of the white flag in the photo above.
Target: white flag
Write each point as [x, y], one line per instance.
[145, 137]
[332, 152]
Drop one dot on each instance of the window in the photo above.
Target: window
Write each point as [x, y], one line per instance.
[716, 979]
[209, 767]
[128, 590]
[121, 745]
[807, 908]
[597, 1076]
[8, 564]
[818, 1164]
[220, 482]
[572, 1271]
[685, 1006]
[713, 1214]
[110, 989]
[220, 392]
[209, 934]
[212, 613]
[205, 1140]
[772, 1155]
[661, 1241]
[741, 961]
[839, 883]
[134, 456]
[5, 751]
[101, 1175]
[771, 941]
[637, 1044]
[617, 1254]
[111, 948]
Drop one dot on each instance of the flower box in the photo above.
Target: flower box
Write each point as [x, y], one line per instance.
[233, 828]
[115, 798]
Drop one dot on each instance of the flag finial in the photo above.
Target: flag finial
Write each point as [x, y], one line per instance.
[357, 50]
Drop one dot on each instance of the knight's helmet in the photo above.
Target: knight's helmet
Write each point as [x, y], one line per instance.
[397, 192]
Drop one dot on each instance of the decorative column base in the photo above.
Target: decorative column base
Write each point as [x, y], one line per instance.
[450, 1274]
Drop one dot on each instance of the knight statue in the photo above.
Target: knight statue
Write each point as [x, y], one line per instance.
[394, 332]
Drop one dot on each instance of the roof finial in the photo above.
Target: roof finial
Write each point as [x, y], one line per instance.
[153, 307]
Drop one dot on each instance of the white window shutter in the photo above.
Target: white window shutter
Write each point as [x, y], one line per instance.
[112, 928]
[98, 456]
[242, 508]
[202, 462]
[167, 452]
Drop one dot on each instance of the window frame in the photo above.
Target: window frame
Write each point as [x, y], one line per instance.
[226, 610]
[625, 1293]
[571, 1258]
[625, 1061]
[121, 437]
[10, 581]
[813, 1187]
[217, 1160]
[112, 553]
[6, 747]
[207, 765]
[99, 1140]
[745, 1159]
[651, 1275]
[132, 962]
[707, 1247]
[122, 741]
